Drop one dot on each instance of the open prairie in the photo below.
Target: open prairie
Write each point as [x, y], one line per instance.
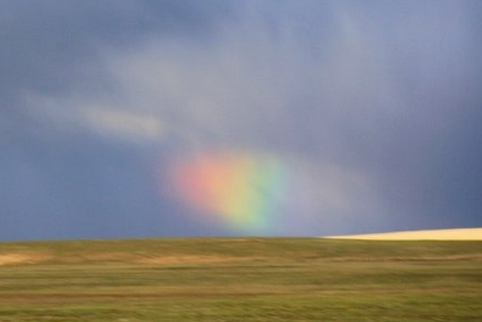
[241, 279]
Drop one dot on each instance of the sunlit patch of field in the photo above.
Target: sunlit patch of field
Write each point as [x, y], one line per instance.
[248, 279]
[19, 258]
[437, 234]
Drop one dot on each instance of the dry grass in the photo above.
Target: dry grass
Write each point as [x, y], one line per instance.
[240, 280]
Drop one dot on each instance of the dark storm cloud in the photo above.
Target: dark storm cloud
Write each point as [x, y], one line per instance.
[53, 47]
[48, 45]
[98, 96]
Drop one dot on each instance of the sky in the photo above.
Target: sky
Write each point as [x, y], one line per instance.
[147, 118]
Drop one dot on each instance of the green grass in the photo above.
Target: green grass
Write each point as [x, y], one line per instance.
[254, 279]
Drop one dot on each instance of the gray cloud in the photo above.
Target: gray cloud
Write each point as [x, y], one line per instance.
[387, 93]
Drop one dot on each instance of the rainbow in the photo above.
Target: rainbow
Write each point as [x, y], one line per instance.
[246, 192]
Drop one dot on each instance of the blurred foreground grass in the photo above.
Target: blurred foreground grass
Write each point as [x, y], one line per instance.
[241, 279]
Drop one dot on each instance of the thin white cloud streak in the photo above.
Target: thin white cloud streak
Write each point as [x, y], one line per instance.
[82, 115]
[128, 125]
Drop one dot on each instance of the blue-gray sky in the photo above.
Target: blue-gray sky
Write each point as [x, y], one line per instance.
[373, 106]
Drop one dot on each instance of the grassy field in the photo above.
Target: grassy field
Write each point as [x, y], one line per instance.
[237, 279]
